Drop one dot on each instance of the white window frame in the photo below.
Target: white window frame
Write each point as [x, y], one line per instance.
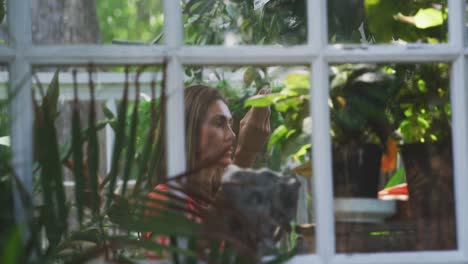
[20, 55]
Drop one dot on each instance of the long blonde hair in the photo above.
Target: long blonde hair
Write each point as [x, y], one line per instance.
[197, 101]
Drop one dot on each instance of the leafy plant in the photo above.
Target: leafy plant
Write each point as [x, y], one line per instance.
[291, 103]
[360, 98]
[245, 21]
[424, 109]
[108, 223]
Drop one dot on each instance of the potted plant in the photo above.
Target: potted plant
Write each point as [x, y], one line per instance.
[424, 124]
[360, 126]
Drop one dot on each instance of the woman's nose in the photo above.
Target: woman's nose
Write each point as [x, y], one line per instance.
[230, 135]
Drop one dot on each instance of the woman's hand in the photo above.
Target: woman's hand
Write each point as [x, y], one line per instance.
[254, 129]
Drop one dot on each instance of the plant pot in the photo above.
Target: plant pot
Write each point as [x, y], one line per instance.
[356, 170]
[429, 174]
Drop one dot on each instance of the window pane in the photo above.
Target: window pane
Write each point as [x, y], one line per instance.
[85, 158]
[230, 23]
[3, 23]
[6, 184]
[101, 21]
[131, 141]
[108, 84]
[466, 22]
[223, 138]
[392, 157]
[387, 21]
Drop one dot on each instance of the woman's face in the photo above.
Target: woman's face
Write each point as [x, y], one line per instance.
[216, 135]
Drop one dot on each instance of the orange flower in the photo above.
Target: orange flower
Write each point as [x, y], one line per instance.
[388, 162]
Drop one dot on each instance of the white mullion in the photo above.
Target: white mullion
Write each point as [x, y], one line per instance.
[97, 54]
[173, 28]
[422, 257]
[391, 53]
[218, 55]
[459, 100]
[456, 23]
[21, 111]
[242, 55]
[175, 120]
[321, 142]
[317, 26]
[321, 162]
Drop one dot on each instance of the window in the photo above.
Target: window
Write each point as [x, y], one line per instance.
[318, 48]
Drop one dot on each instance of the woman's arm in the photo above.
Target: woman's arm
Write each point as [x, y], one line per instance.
[253, 132]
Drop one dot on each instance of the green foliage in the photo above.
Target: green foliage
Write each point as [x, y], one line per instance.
[244, 21]
[133, 20]
[113, 228]
[360, 96]
[13, 248]
[2, 10]
[48, 158]
[391, 19]
[423, 113]
[291, 104]
[368, 103]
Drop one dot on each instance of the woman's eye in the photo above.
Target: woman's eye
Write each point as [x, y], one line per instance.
[218, 123]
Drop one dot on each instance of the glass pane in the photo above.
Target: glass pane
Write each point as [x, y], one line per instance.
[254, 117]
[108, 86]
[387, 21]
[6, 184]
[466, 22]
[230, 23]
[103, 168]
[118, 22]
[3, 22]
[392, 157]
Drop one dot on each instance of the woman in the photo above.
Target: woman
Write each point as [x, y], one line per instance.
[211, 144]
[210, 140]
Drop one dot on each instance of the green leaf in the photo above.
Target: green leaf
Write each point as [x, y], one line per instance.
[120, 138]
[131, 143]
[52, 95]
[397, 178]
[11, 253]
[51, 177]
[423, 122]
[422, 86]
[279, 133]
[428, 17]
[302, 151]
[379, 14]
[93, 150]
[262, 100]
[285, 104]
[298, 81]
[77, 150]
[408, 112]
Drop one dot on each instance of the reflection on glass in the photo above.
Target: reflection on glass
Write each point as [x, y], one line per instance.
[230, 23]
[392, 157]
[240, 97]
[76, 22]
[378, 22]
